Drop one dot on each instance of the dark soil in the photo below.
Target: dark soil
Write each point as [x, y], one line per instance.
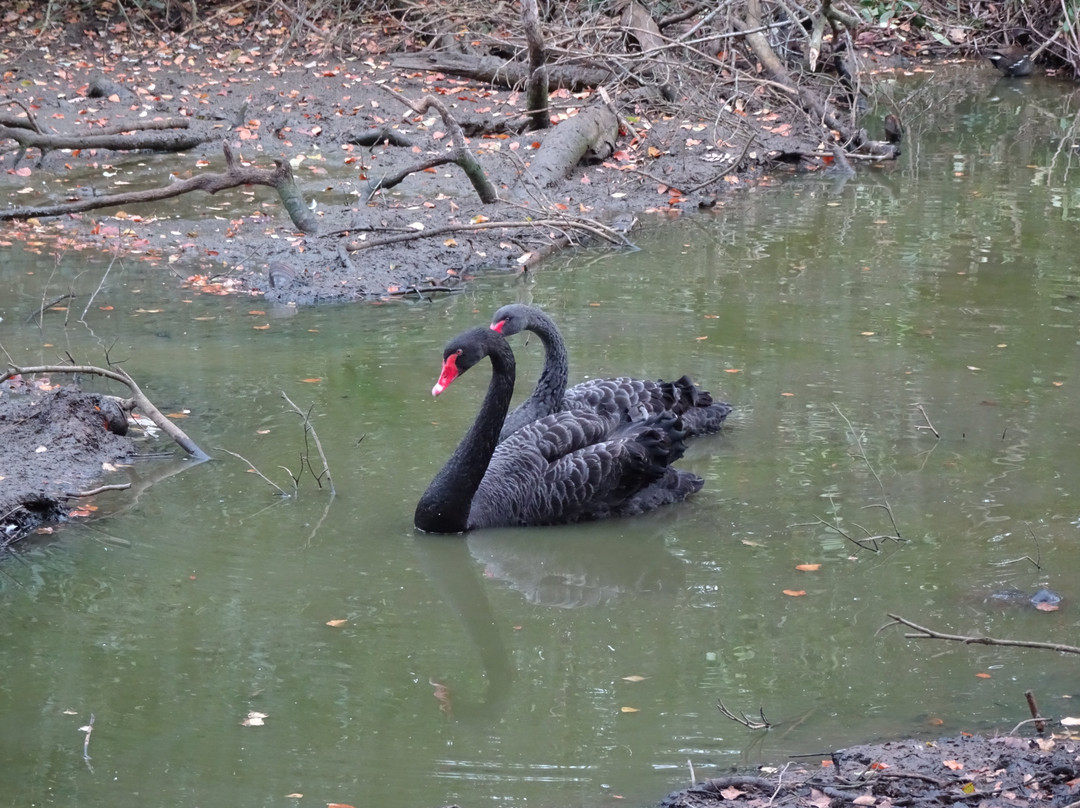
[306, 110]
[54, 445]
[966, 770]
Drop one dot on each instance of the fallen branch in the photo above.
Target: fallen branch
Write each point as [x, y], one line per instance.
[503, 73]
[924, 633]
[145, 138]
[745, 720]
[460, 153]
[280, 178]
[138, 399]
[595, 228]
[100, 489]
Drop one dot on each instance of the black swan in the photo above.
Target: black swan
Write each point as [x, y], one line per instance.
[700, 414]
[566, 467]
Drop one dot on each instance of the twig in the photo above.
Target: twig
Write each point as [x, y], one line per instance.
[596, 229]
[283, 492]
[1026, 721]
[929, 424]
[1035, 561]
[101, 488]
[1040, 725]
[930, 634]
[869, 542]
[116, 253]
[45, 306]
[866, 460]
[310, 427]
[745, 720]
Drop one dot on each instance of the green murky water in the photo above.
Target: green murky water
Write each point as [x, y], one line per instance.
[503, 668]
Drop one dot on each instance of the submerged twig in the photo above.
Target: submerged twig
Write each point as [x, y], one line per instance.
[745, 720]
[929, 424]
[924, 633]
[310, 428]
[281, 490]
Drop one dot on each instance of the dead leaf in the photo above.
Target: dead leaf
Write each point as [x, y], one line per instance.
[808, 567]
[636, 678]
[794, 593]
[955, 765]
[629, 710]
[337, 623]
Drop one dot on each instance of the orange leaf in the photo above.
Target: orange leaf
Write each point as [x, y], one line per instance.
[310, 381]
[795, 593]
[629, 710]
[808, 567]
[337, 623]
[983, 675]
[261, 327]
[634, 678]
[955, 765]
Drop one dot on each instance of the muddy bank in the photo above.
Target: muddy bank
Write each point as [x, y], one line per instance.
[965, 770]
[56, 444]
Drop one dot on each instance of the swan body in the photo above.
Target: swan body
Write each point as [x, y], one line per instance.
[565, 467]
[700, 414]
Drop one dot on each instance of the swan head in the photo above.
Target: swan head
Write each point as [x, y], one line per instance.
[468, 348]
[511, 319]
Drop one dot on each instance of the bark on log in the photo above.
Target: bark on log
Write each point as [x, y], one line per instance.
[501, 72]
[141, 141]
[595, 129]
[280, 179]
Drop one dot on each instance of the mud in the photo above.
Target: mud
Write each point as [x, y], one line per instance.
[965, 770]
[55, 444]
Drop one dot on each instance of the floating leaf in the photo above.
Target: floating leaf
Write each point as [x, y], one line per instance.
[634, 678]
[337, 623]
[808, 567]
[983, 675]
[629, 710]
[794, 593]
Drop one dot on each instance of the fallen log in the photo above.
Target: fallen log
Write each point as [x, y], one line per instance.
[592, 130]
[168, 141]
[501, 72]
[459, 155]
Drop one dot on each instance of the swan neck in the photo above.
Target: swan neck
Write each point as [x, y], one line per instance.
[447, 504]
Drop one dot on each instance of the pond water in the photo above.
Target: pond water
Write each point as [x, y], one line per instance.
[573, 666]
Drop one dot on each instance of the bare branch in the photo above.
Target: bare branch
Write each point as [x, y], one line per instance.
[924, 633]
